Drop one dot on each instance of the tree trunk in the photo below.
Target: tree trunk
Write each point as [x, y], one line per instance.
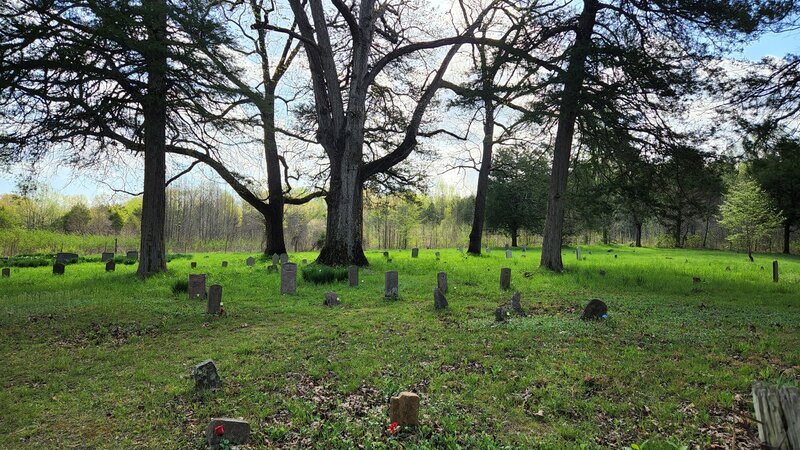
[276, 243]
[345, 208]
[479, 216]
[568, 114]
[705, 232]
[678, 228]
[514, 234]
[152, 254]
[638, 234]
[787, 237]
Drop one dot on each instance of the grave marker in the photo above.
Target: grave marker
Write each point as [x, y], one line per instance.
[197, 286]
[505, 278]
[578, 253]
[596, 309]
[275, 259]
[224, 263]
[58, 269]
[6, 272]
[414, 252]
[352, 276]
[508, 253]
[235, 431]
[250, 262]
[284, 258]
[111, 266]
[63, 258]
[205, 376]
[133, 254]
[106, 256]
[775, 271]
[441, 282]
[194, 265]
[439, 300]
[391, 282]
[288, 278]
[438, 256]
[331, 299]
[404, 409]
[777, 415]
[516, 304]
[214, 299]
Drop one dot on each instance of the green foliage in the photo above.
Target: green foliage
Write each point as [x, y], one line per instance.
[322, 274]
[180, 286]
[747, 213]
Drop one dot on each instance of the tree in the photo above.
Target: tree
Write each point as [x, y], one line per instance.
[76, 219]
[748, 214]
[94, 77]
[517, 193]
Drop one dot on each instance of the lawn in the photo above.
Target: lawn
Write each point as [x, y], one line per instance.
[102, 360]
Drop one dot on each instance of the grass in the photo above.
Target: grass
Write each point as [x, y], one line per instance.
[102, 360]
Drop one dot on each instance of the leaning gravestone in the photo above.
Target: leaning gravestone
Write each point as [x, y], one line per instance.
[505, 278]
[331, 299]
[107, 256]
[58, 269]
[288, 278]
[275, 259]
[250, 262]
[214, 299]
[197, 286]
[516, 304]
[391, 287]
[508, 253]
[63, 258]
[235, 431]
[439, 300]
[352, 276]
[414, 252]
[205, 376]
[596, 309]
[224, 263]
[284, 258]
[133, 254]
[111, 266]
[404, 409]
[6, 272]
[441, 282]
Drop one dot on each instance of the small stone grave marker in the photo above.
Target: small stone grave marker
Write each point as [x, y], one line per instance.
[596, 309]
[288, 278]
[275, 259]
[414, 252]
[194, 265]
[224, 263]
[133, 254]
[214, 299]
[352, 276]
[58, 269]
[63, 258]
[235, 431]
[404, 409]
[391, 287]
[516, 303]
[250, 262]
[331, 299]
[305, 261]
[111, 266]
[508, 253]
[441, 282]
[501, 314]
[385, 254]
[524, 248]
[205, 376]
[775, 271]
[106, 256]
[505, 278]
[272, 268]
[439, 300]
[197, 286]
[284, 258]
[6, 272]
[578, 253]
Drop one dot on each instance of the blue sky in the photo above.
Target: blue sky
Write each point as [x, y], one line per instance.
[63, 180]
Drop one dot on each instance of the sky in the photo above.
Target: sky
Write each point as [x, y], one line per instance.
[68, 182]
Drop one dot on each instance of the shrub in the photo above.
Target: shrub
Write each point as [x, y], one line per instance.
[29, 261]
[321, 274]
[665, 241]
[180, 287]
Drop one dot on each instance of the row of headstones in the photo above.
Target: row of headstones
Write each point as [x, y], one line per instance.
[415, 252]
[403, 409]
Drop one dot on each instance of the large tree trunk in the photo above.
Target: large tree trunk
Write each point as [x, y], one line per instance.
[514, 234]
[678, 229]
[274, 221]
[152, 255]
[345, 207]
[568, 114]
[479, 216]
[787, 237]
[638, 234]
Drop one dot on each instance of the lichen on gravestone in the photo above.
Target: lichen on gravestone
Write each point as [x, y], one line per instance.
[205, 376]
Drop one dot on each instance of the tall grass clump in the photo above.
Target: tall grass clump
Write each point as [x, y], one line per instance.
[321, 274]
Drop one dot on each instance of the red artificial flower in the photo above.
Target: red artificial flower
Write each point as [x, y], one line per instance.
[219, 430]
[393, 428]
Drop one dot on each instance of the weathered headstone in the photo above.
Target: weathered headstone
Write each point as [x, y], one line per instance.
[391, 288]
[505, 278]
[194, 265]
[501, 313]
[352, 276]
[441, 281]
[439, 300]
[214, 299]
[133, 254]
[106, 256]
[524, 248]
[777, 415]
[385, 254]
[63, 258]
[414, 252]
[58, 269]
[6, 272]
[508, 253]
[516, 304]
[250, 262]
[775, 271]
[111, 266]
[235, 431]
[331, 299]
[197, 286]
[507, 247]
[596, 309]
[288, 278]
[275, 259]
[205, 376]
[224, 263]
[578, 253]
[284, 258]
[404, 409]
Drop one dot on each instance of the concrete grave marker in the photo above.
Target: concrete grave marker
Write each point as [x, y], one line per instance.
[250, 262]
[508, 253]
[106, 256]
[578, 253]
[507, 247]
[63, 258]
[235, 431]
[111, 266]
[284, 258]
[516, 304]
[224, 263]
[596, 309]
[352, 276]
[214, 299]
[6, 272]
[58, 269]
[205, 376]
[275, 259]
[505, 278]
[441, 282]
[524, 248]
[288, 278]
[391, 282]
[775, 271]
[404, 409]
[197, 286]
[331, 299]
[414, 252]
[194, 265]
[133, 254]
[439, 300]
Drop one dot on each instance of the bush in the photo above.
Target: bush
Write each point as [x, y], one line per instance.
[172, 256]
[693, 241]
[180, 287]
[320, 274]
[29, 261]
[665, 241]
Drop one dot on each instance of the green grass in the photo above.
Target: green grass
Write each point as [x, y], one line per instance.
[102, 360]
